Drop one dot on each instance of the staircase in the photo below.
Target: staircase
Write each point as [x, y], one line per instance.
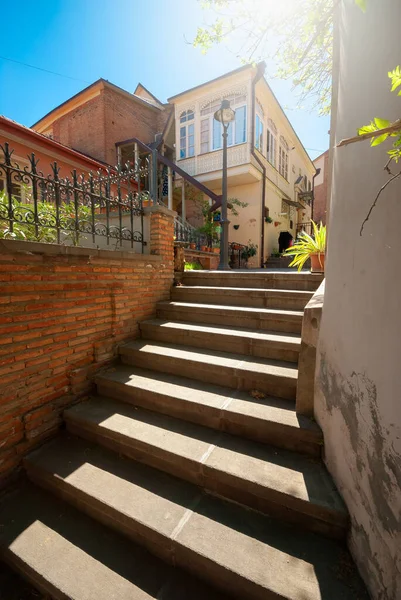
[189, 475]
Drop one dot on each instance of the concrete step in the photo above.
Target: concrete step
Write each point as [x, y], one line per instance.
[66, 554]
[236, 296]
[275, 378]
[264, 344]
[239, 551]
[291, 280]
[270, 319]
[268, 420]
[283, 484]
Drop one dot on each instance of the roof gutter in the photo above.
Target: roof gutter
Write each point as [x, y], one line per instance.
[259, 74]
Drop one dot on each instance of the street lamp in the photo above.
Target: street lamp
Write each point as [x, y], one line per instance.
[225, 115]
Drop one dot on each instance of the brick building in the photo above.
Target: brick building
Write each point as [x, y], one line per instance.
[103, 114]
[321, 188]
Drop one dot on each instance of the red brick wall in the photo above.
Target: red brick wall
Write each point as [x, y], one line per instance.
[125, 119]
[320, 195]
[83, 129]
[94, 127]
[63, 313]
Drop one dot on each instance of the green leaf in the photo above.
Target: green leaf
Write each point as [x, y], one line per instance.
[395, 77]
[379, 140]
[361, 4]
[367, 129]
[382, 123]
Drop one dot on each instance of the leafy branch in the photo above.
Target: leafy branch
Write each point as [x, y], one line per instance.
[379, 130]
[302, 34]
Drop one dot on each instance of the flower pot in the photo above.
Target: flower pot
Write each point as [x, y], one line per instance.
[236, 247]
[317, 262]
[204, 248]
[192, 246]
[216, 250]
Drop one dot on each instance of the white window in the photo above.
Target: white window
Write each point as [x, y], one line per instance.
[271, 142]
[187, 134]
[212, 130]
[205, 133]
[283, 158]
[259, 127]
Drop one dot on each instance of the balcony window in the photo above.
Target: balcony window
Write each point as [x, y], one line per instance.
[271, 142]
[283, 158]
[259, 133]
[187, 134]
[212, 130]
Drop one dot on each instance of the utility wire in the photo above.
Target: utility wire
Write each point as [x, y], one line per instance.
[44, 70]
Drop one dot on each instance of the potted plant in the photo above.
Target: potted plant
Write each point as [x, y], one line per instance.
[192, 246]
[248, 251]
[307, 246]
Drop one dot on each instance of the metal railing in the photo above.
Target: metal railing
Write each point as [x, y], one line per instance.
[184, 232]
[105, 206]
[307, 227]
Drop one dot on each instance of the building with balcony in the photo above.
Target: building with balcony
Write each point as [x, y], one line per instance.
[268, 167]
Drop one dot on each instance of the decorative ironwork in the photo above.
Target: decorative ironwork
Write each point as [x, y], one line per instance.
[184, 232]
[307, 227]
[48, 208]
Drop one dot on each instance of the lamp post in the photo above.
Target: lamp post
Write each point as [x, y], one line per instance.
[225, 115]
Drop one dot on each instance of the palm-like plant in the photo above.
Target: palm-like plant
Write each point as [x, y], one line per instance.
[306, 245]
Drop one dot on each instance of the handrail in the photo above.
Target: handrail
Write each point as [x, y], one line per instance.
[169, 163]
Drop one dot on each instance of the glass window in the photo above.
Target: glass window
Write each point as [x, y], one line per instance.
[187, 134]
[259, 133]
[236, 132]
[240, 125]
[217, 135]
[271, 148]
[283, 163]
[205, 130]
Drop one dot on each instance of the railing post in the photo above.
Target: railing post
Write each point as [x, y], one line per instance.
[183, 207]
[170, 188]
[154, 177]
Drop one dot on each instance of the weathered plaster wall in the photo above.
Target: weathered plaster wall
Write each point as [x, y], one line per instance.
[358, 373]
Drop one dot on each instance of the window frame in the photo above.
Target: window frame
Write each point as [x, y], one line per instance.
[187, 131]
[271, 136]
[213, 125]
[283, 160]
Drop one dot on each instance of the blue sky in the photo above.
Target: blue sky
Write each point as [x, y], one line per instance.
[124, 41]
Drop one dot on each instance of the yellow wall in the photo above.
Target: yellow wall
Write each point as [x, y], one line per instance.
[247, 187]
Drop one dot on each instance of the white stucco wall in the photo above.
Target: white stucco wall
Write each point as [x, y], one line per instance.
[358, 399]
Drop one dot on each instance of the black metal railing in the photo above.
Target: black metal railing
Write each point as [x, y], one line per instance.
[185, 233]
[237, 260]
[76, 210]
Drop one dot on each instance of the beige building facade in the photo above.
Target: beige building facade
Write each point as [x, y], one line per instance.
[268, 168]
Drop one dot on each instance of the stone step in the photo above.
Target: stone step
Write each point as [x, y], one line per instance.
[274, 378]
[270, 319]
[239, 551]
[66, 554]
[264, 419]
[274, 481]
[264, 344]
[236, 296]
[291, 280]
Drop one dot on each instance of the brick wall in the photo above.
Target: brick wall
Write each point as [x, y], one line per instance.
[320, 195]
[63, 313]
[94, 127]
[126, 118]
[83, 129]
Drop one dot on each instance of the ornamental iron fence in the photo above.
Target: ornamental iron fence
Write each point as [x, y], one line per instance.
[95, 208]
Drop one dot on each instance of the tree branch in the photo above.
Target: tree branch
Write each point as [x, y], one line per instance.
[376, 199]
[396, 126]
